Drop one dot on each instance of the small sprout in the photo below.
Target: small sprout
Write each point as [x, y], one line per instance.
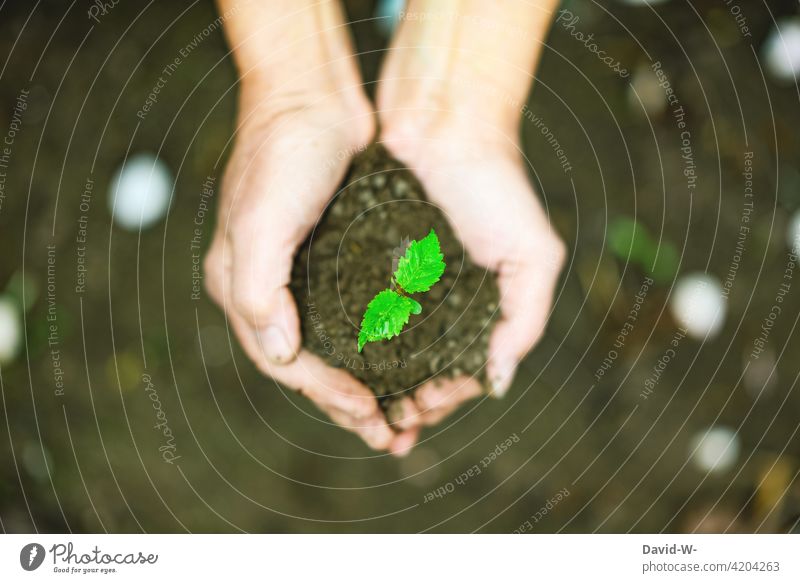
[631, 241]
[418, 270]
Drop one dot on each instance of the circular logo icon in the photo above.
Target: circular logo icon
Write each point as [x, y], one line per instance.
[31, 556]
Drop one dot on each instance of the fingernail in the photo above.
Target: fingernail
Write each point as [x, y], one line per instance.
[378, 438]
[403, 445]
[401, 453]
[501, 380]
[276, 346]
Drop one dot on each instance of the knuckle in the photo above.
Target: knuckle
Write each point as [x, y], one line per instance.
[373, 437]
[212, 264]
[250, 307]
[556, 253]
[431, 398]
[213, 273]
[362, 408]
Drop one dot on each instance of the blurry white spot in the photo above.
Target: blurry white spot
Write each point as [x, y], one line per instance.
[793, 233]
[10, 330]
[387, 13]
[761, 374]
[715, 450]
[140, 192]
[697, 305]
[646, 92]
[781, 50]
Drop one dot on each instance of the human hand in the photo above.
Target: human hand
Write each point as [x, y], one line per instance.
[302, 116]
[283, 171]
[449, 103]
[476, 176]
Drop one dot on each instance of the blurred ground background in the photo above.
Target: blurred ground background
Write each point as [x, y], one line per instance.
[254, 458]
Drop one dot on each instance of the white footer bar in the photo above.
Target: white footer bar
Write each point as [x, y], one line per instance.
[400, 558]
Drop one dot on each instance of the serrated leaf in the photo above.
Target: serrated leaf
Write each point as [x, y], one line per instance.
[421, 266]
[385, 317]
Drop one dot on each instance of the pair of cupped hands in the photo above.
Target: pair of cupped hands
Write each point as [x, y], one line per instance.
[290, 156]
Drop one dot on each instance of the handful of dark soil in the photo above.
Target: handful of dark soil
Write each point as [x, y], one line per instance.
[351, 256]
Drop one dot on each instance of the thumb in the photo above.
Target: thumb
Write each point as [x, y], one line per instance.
[526, 283]
[261, 270]
[278, 194]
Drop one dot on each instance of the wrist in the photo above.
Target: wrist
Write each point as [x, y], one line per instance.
[435, 144]
[448, 107]
[294, 58]
[462, 63]
[419, 116]
[325, 99]
[311, 113]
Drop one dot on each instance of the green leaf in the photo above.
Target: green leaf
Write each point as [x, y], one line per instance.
[629, 240]
[421, 266]
[385, 317]
[662, 263]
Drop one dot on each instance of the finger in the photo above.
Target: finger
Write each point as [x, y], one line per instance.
[346, 401]
[403, 414]
[526, 284]
[263, 251]
[328, 387]
[403, 443]
[274, 205]
[216, 273]
[439, 398]
[373, 430]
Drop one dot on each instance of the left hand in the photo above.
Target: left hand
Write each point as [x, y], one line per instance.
[479, 181]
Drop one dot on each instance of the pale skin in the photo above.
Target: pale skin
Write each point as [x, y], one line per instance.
[448, 105]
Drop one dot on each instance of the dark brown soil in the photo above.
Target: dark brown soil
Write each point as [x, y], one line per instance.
[351, 256]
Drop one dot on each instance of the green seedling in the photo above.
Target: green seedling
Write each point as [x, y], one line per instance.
[418, 270]
[631, 241]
